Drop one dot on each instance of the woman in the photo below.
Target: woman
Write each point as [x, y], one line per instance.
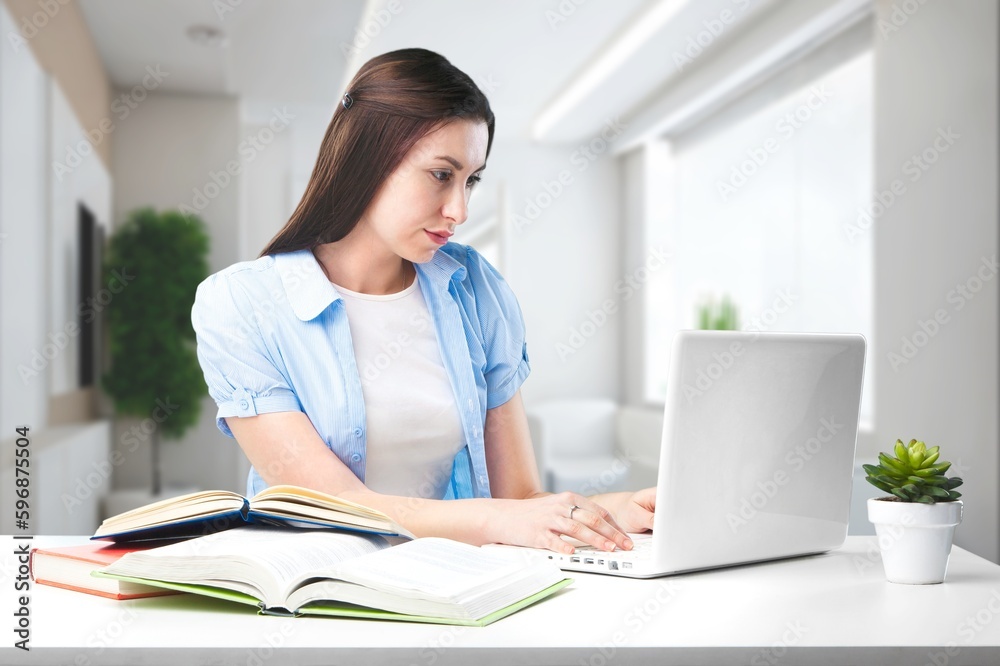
[366, 356]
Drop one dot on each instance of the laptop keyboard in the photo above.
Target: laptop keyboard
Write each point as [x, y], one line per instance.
[642, 548]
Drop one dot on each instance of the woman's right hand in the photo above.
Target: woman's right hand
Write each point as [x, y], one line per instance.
[541, 522]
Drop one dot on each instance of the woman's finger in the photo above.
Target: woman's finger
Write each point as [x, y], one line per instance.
[597, 532]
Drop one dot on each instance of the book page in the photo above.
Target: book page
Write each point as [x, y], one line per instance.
[294, 502]
[432, 568]
[193, 505]
[267, 558]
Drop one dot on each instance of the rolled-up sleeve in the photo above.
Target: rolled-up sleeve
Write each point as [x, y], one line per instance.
[503, 331]
[241, 374]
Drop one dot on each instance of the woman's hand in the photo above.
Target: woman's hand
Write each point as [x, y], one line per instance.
[633, 511]
[540, 523]
[636, 512]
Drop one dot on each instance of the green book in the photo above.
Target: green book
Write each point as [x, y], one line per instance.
[284, 572]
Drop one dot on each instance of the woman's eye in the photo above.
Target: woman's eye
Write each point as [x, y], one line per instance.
[473, 180]
[441, 176]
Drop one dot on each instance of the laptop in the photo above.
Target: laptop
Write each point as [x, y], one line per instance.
[756, 456]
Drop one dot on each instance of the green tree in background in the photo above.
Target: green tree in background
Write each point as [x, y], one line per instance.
[154, 369]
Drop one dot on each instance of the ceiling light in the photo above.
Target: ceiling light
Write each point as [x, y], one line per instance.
[207, 35]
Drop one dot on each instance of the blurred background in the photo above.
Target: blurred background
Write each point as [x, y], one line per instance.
[783, 165]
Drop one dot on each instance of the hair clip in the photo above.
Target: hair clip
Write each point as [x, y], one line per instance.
[347, 101]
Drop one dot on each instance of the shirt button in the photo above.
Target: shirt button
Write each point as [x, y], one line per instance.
[475, 431]
[470, 404]
[358, 432]
[482, 480]
[355, 457]
[244, 404]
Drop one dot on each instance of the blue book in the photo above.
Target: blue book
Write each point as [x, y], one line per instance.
[210, 511]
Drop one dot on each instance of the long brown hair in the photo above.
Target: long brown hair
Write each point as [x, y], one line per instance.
[395, 99]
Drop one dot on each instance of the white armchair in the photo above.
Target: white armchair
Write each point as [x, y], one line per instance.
[575, 445]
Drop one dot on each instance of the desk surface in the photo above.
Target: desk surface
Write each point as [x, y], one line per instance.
[835, 608]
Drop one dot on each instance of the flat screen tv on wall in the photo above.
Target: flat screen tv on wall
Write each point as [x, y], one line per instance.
[91, 251]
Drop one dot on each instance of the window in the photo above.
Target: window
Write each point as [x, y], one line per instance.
[764, 202]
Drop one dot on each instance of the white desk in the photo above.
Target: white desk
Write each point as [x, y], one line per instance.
[835, 608]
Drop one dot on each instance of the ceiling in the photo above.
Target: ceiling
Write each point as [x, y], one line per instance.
[523, 53]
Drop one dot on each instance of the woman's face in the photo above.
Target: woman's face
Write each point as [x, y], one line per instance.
[427, 196]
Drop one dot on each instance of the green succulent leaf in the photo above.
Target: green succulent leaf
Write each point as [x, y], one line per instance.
[901, 452]
[898, 492]
[893, 465]
[935, 491]
[872, 470]
[880, 485]
[953, 482]
[933, 480]
[942, 468]
[954, 494]
[932, 456]
[926, 499]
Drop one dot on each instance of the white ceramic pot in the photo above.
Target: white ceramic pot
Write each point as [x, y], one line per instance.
[915, 539]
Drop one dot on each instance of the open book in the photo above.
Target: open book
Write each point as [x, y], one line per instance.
[319, 572]
[212, 511]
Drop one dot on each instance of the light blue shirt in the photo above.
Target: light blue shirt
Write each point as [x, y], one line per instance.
[273, 336]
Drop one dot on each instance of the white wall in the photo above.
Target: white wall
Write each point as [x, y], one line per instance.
[168, 147]
[23, 233]
[938, 70]
[76, 174]
[267, 185]
[563, 264]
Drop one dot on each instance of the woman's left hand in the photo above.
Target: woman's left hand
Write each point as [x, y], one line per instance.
[636, 513]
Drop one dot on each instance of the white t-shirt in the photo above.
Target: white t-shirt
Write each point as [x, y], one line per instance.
[414, 429]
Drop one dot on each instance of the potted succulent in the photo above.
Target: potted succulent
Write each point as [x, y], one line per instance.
[916, 523]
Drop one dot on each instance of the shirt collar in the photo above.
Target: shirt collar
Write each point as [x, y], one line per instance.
[309, 292]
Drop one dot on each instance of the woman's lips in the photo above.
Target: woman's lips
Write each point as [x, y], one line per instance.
[440, 240]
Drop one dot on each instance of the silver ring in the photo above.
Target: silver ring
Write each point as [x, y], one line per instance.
[572, 509]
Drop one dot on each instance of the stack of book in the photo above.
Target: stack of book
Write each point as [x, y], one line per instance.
[293, 551]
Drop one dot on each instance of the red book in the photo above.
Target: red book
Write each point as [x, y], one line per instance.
[69, 567]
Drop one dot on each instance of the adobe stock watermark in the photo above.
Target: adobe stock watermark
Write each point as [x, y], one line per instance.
[562, 12]
[796, 459]
[786, 127]
[105, 637]
[393, 349]
[967, 629]
[271, 642]
[550, 190]
[122, 106]
[264, 310]
[927, 329]
[371, 28]
[887, 536]
[59, 340]
[772, 655]
[899, 16]
[248, 150]
[625, 288]
[85, 487]
[224, 7]
[635, 620]
[712, 30]
[913, 168]
[610, 477]
[31, 25]
[706, 377]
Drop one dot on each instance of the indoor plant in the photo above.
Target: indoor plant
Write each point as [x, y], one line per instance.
[154, 369]
[916, 523]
